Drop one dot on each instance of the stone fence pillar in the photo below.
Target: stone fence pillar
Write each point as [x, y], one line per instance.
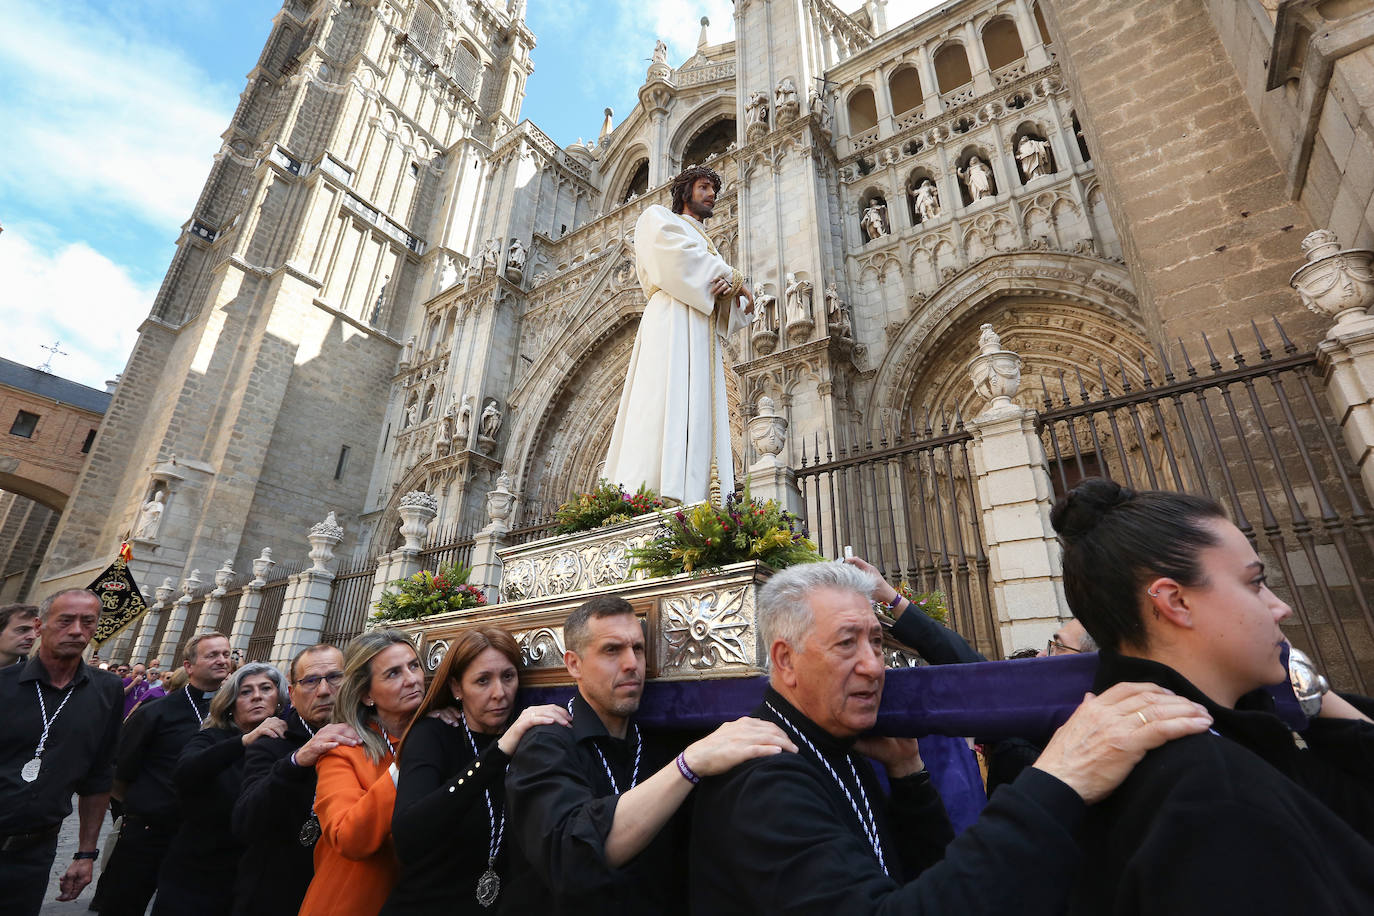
[1340, 285]
[176, 624]
[1015, 496]
[307, 595]
[250, 602]
[209, 612]
[769, 477]
[417, 510]
[486, 565]
[143, 644]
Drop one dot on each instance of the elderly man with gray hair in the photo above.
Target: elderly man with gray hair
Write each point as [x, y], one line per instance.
[814, 831]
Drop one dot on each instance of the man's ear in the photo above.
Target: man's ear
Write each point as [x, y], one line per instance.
[783, 658]
[573, 664]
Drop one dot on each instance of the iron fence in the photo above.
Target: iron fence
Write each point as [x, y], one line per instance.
[1252, 432]
[269, 616]
[228, 610]
[909, 506]
[193, 611]
[350, 601]
[446, 547]
[533, 530]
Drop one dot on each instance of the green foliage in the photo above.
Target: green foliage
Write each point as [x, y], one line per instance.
[706, 537]
[427, 593]
[608, 504]
[932, 604]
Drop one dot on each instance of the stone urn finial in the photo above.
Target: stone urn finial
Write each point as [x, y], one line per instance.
[500, 502]
[165, 591]
[190, 584]
[995, 372]
[768, 430]
[1335, 283]
[324, 537]
[223, 576]
[261, 565]
[417, 510]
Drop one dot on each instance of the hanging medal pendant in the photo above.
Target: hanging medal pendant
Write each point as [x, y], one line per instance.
[310, 831]
[489, 885]
[29, 772]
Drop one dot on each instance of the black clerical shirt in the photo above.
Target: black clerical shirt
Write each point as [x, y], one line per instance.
[153, 739]
[778, 835]
[273, 804]
[561, 805]
[79, 755]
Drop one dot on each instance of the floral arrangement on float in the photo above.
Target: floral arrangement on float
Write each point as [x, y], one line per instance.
[427, 593]
[607, 504]
[708, 536]
[932, 604]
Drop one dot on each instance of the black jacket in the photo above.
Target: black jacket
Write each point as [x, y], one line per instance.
[149, 747]
[1240, 819]
[777, 835]
[441, 826]
[273, 804]
[203, 858]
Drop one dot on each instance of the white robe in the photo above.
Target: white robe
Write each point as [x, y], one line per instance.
[662, 435]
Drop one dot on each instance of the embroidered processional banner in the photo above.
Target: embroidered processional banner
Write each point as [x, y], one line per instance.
[121, 603]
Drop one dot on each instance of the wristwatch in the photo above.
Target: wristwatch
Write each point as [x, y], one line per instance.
[1309, 686]
[89, 854]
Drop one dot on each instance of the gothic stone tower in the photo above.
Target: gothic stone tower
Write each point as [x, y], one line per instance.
[252, 398]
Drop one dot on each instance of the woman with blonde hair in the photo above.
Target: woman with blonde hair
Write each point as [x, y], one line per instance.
[355, 865]
[449, 823]
[198, 874]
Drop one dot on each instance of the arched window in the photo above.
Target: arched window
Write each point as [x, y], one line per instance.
[639, 182]
[712, 141]
[863, 111]
[464, 66]
[1001, 43]
[951, 67]
[904, 88]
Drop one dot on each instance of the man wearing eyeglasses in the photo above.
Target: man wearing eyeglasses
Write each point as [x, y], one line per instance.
[1070, 639]
[274, 814]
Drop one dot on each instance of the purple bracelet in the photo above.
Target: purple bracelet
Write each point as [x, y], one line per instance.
[685, 770]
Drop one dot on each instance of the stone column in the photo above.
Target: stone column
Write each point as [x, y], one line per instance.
[882, 97]
[930, 84]
[250, 603]
[307, 595]
[1015, 495]
[176, 624]
[209, 613]
[977, 59]
[769, 477]
[1340, 285]
[417, 510]
[486, 565]
[143, 645]
[1036, 54]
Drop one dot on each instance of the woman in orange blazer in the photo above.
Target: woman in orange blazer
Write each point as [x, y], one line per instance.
[355, 865]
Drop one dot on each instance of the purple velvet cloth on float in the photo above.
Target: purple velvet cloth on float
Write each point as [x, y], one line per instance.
[940, 706]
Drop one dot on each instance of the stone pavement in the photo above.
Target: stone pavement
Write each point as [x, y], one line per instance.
[66, 845]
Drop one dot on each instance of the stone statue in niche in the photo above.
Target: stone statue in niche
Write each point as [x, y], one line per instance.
[491, 420]
[766, 313]
[515, 259]
[977, 178]
[150, 517]
[411, 412]
[798, 299]
[465, 418]
[449, 274]
[926, 200]
[837, 313]
[756, 115]
[1034, 156]
[491, 254]
[408, 351]
[874, 220]
[785, 102]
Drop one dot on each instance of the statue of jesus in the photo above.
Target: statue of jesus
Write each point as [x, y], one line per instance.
[673, 426]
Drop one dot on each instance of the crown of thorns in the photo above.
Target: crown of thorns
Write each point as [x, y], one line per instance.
[690, 175]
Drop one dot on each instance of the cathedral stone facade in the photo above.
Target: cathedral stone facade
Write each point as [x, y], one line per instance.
[392, 283]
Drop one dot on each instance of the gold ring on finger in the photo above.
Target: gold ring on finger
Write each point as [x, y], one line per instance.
[1144, 720]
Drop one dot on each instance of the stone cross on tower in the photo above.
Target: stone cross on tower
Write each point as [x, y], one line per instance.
[52, 351]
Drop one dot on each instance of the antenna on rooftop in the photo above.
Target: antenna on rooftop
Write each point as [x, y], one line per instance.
[52, 351]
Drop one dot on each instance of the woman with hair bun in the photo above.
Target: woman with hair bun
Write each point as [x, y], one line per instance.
[450, 817]
[1247, 817]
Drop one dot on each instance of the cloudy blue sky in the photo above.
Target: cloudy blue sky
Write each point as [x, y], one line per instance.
[111, 112]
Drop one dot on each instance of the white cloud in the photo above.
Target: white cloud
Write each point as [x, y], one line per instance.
[69, 293]
[95, 117]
